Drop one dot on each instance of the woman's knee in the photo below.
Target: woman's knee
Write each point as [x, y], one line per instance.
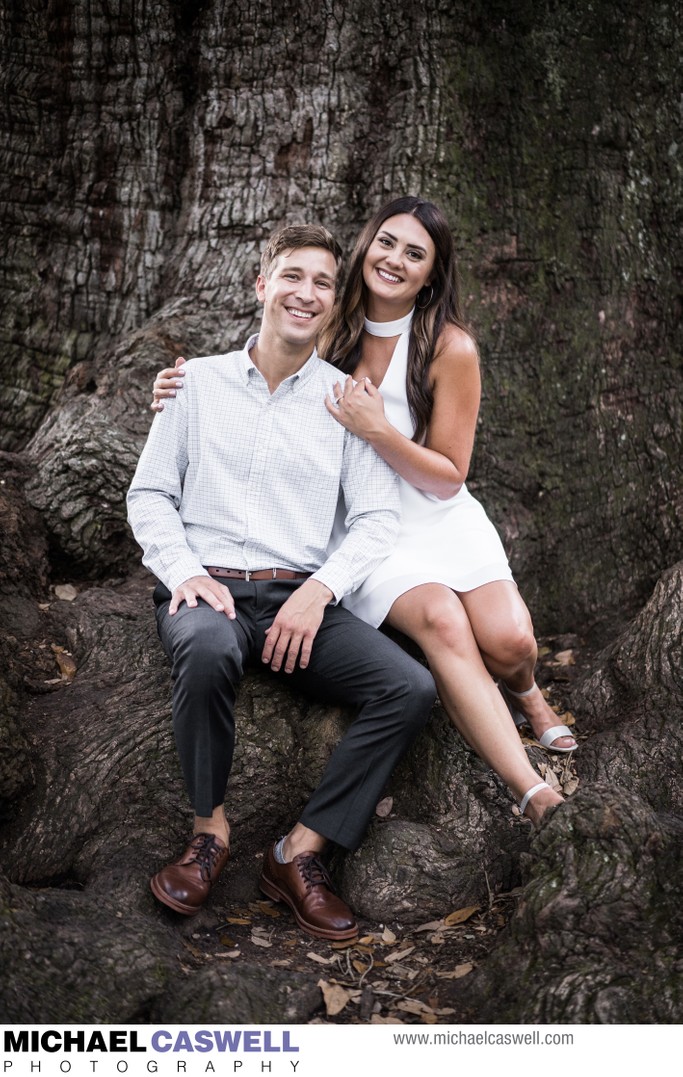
[511, 644]
[442, 621]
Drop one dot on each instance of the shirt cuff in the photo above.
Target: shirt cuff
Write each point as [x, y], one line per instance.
[184, 570]
[335, 580]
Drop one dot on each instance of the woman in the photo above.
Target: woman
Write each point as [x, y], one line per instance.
[447, 585]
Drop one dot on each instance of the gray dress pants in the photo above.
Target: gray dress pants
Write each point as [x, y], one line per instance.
[351, 663]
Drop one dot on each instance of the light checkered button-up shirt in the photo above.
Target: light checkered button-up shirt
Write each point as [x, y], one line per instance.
[234, 476]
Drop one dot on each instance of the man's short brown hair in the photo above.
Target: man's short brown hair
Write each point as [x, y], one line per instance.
[293, 236]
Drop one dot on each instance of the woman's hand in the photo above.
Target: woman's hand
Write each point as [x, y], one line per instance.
[439, 466]
[358, 407]
[166, 383]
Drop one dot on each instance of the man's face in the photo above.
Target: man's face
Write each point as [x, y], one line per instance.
[298, 294]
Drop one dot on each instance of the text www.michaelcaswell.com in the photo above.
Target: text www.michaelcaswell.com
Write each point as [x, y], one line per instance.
[494, 1039]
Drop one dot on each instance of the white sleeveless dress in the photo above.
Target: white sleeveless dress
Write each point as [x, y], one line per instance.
[452, 542]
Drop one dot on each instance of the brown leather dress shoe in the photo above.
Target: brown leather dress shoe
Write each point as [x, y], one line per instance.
[185, 884]
[306, 887]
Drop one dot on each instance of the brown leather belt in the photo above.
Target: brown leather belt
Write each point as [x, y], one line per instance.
[260, 574]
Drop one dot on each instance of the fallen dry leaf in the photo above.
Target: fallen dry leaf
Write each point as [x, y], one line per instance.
[458, 972]
[231, 953]
[428, 1018]
[193, 949]
[398, 954]
[320, 959]
[258, 941]
[402, 972]
[366, 939]
[335, 996]
[384, 807]
[570, 787]
[388, 935]
[376, 1019]
[565, 658]
[413, 1005]
[237, 920]
[67, 666]
[66, 592]
[431, 926]
[266, 908]
[460, 915]
[552, 780]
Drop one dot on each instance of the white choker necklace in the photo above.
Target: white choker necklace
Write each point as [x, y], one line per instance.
[389, 329]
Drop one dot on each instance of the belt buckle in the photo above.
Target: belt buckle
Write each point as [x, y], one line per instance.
[247, 575]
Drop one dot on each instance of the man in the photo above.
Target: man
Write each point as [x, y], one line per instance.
[233, 503]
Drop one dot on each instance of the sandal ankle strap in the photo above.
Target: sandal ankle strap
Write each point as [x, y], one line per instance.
[531, 793]
[520, 695]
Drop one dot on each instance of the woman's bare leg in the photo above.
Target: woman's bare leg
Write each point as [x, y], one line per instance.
[435, 618]
[502, 627]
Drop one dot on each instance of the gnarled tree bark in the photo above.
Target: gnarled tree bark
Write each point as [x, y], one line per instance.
[147, 151]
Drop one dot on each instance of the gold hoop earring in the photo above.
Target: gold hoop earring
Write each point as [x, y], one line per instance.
[423, 306]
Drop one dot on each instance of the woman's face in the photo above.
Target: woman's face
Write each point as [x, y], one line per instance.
[399, 261]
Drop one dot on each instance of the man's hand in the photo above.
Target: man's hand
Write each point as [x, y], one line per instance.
[166, 383]
[216, 594]
[295, 626]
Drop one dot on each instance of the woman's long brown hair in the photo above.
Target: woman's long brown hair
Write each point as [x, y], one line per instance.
[437, 305]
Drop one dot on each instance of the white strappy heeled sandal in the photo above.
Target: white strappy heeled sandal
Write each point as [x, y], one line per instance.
[531, 793]
[546, 739]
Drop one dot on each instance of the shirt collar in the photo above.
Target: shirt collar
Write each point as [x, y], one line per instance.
[300, 377]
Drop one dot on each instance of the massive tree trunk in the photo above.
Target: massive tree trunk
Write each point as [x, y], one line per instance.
[148, 150]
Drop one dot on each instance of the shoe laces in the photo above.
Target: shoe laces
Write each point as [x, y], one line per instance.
[314, 873]
[206, 852]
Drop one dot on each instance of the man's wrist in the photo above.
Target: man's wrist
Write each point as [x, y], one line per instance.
[325, 595]
[334, 578]
[183, 572]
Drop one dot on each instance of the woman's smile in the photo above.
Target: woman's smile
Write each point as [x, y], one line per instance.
[398, 264]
